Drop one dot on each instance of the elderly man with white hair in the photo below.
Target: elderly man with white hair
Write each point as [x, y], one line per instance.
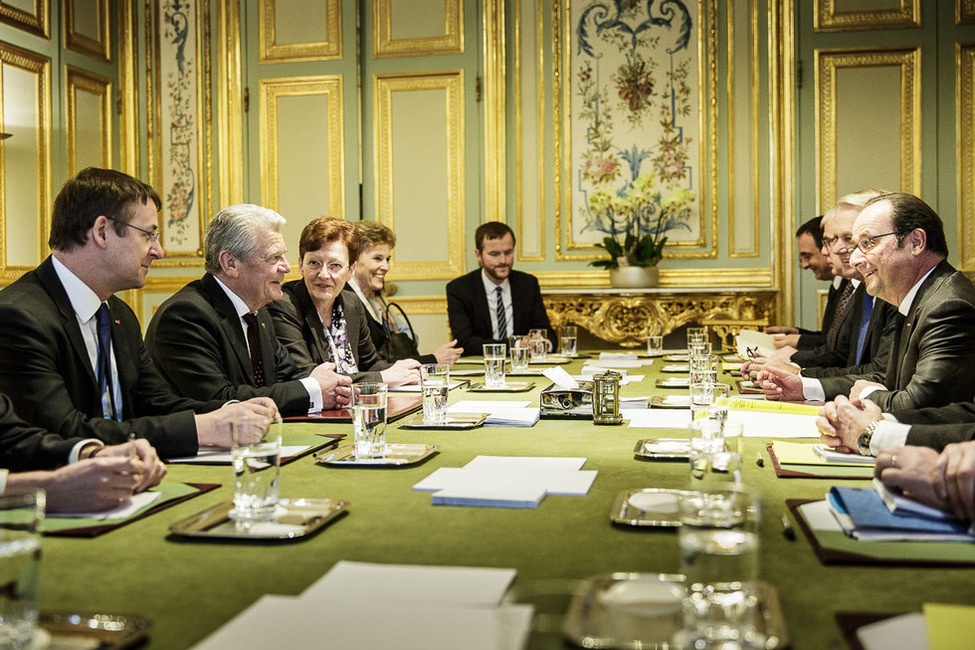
[214, 339]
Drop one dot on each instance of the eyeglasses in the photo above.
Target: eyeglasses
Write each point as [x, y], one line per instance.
[868, 243]
[829, 241]
[151, 235]
[333, 268]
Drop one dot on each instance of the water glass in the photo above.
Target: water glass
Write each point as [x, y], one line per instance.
[435, 384]
[520, 349]
[495, 357]
[567, 340]
[540, 344]
[710, 401]
[703, 368]
[21, 516]
[655, 345]
[369, 419]
[697, 335]
[718, 541]
[256, 453]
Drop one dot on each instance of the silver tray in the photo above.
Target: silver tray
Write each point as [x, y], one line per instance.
[466, 372]
[396, 455]
[656, 507]
[663, 448]
[550, 360]
[108, 631]
[670, 401]
[510, 387]
[676, 367]
[674, 382]
[454, 421]
[682, 357]
[295, 518]
[528, 372]
[642, 611]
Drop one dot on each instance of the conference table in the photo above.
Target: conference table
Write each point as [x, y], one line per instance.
[189, 587]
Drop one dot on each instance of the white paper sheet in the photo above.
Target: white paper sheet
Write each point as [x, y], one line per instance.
[905, 632]
[485, 406]
[223, 456]
[660, 419]
[138, 502]
[759, 424]
[627, 379]
[492, 482]
[754, 339]
[416, 388]
[560, 377]
[616, 363]
[589, 371]
[527, 463]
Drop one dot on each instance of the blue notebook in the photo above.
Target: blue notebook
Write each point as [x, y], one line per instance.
[868, 513]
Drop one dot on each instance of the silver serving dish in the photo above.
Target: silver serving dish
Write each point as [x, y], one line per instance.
[396, 455]
[674, 382]
[509, 387]
[454, 421]
[91, 630]
[676, 367]
[295, 518]
[650, 507]
[670, 401]
[663, 448]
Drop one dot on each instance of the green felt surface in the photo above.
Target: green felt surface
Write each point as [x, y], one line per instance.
[189, 587]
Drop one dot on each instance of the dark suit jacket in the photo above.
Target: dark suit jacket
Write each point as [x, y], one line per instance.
[470, 318]
[298, 327]
[885, 322]
[24, 448]
[812, 338]
[377, 331]
[932, 356]
[835, 350]
[939, 426]
[198, 343]
[46, 371]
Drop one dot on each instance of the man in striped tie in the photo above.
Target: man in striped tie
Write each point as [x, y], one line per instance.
[494, 302]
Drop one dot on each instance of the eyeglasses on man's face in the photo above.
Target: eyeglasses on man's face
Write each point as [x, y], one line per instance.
[847, 239]
[151, 235]
[867, 244]
[333, 268]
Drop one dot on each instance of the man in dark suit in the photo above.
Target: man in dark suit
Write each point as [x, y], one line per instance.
[214, 338]
[72, 358]
[494, 302]
[900, 250]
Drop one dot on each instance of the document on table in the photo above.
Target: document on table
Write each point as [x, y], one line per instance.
[804, 453]
[906, 632]
[416, 388]
[627, 379]
[224, 457]
[137, 502]
[761, 424]
[660, 418]
[501, 414]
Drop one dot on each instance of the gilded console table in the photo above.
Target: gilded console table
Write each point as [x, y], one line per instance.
[627, 316]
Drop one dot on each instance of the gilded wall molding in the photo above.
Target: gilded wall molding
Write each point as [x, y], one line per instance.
[751, 37]
[98, 48]
[230, 120]
[965, 12]
[495, 107]
[80, 81]
[128, 80]
[422, 304]
[40, 68]
[782, 156]
[828, 18]
[521, 108]
[451, 83]
[269, 50]
[36, 22]
[827, 63]
[271, 91]
[669, 278]
[629, 319]
[965, 135]
[450, 42]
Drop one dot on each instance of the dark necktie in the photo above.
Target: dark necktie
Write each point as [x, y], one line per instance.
[841, 308]
[254, 344]
[502, 319]
[864, 324]
[104, 361]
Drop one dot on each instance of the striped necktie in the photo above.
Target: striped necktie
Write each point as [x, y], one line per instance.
[502, 318]
[105, 383]
[254, 345]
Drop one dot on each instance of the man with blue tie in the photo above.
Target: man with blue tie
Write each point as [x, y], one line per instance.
[72, 359]
[494, 302]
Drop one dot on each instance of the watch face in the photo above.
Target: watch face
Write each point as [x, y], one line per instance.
[863, 442]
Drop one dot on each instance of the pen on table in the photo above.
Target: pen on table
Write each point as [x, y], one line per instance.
[787, 529]
[758, 459]
[132, 451]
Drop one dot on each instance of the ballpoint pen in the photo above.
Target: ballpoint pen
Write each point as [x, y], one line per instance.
[759, 460]
[787, 529]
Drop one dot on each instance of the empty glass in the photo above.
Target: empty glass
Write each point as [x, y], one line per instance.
[655, 345]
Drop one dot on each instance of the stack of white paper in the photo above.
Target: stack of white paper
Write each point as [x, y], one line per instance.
[507, 481]
[417, 608]
[224, 457]
[500, 413]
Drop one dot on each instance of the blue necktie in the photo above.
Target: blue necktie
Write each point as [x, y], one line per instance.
[502, 319]
[864, 324]
[105, 361]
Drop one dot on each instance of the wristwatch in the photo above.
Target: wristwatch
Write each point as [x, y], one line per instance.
[863, 440]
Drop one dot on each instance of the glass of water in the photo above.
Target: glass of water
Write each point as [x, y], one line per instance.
[256, 453]
[435, 383]
[718, 541]
[540, 343]
[369, 419]
[655, 345]
[703, 368]
[21, 516]
[494, 360]
[520, 349]
[567, 340]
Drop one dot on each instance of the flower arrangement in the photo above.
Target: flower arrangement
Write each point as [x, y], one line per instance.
[637, 217]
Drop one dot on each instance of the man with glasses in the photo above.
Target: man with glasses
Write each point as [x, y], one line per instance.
[214, 338]
[900, 250]
[72, 359]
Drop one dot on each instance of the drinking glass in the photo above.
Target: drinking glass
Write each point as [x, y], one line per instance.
[703, 368]
[655, 345]
[256, 454]
[369, 419]
[21, 516]
[520, 350]
[697, 335]
[540, 344]
[494, 360]
[567, 340]
[718, 541]
[710, 401]
[435, 384]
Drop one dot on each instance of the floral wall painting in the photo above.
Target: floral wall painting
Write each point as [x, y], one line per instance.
[634, 128]
[179, 181]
